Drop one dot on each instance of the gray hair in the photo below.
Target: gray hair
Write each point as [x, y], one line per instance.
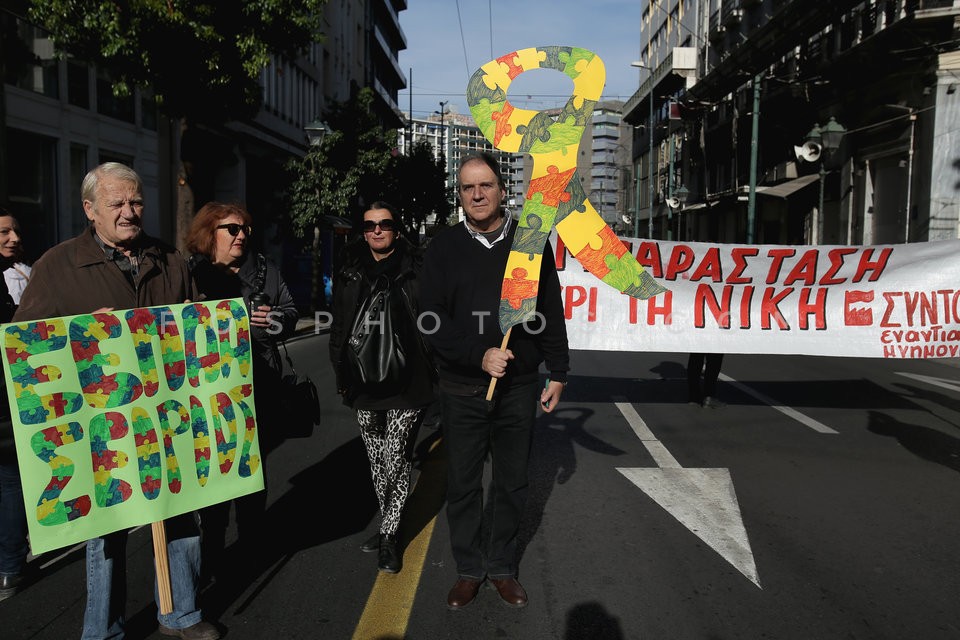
[120, 171]
[487, 159]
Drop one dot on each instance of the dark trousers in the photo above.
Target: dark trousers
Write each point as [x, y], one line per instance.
[250, 513]
[695, 367]
[13, 521]
[472, 430]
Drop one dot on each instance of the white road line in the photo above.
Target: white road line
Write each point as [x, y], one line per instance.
[943, 383]
[787, 411]
[702, 500]
[658, 452]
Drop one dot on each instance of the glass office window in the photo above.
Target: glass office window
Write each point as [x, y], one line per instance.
[148, 110]
[32, 183]
[39, 74]
[79, 166]
[119, 107]
[78, 84]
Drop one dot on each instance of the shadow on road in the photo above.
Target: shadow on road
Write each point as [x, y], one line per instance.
[553, 461]
[591, 621]
[930, 395]
[671, 388]
[354, 504]
[429, 495]
[925, 442]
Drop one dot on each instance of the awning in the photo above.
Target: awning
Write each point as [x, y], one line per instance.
[789, 187]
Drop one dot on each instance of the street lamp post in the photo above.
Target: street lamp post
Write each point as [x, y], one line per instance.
[828, 138]
[443, 150]
[636, 219]
[681, 194]
[316, 131]
[602, 197]
[441, 113]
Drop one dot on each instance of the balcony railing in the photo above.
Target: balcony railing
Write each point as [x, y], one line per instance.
[717, 30]
[731, 14]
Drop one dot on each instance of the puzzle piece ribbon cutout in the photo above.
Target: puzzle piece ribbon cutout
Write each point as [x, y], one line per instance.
[555, 196]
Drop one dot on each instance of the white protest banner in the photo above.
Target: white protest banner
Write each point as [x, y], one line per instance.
[883, 301]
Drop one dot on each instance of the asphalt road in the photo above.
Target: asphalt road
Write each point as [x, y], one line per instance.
[820, 503]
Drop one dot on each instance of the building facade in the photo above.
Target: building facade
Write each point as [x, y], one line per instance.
[455, 135]
[603, 164]
[62, 119]
[831, 123]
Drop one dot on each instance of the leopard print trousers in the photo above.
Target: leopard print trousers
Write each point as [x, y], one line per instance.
[386, 436]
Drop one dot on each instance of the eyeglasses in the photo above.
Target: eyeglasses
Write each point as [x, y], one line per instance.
[233, 228]
[385, 225]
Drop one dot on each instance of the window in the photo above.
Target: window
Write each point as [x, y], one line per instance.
[78, 84]
[39, 75]
[79, 166]
[109, 156]
[32, 182]
[108, 104]
[148, 110]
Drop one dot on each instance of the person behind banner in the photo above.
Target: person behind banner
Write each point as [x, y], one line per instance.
[17, 272]
[461, 290]
[13, 518]
[223, 266]
[114, 264]
[389, 412]
[703, 369]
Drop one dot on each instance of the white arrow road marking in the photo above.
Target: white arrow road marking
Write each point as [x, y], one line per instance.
[787, 411]
[945, 383]
[703, 500]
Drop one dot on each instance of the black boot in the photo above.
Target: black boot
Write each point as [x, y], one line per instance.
[10, 584]
[389, 559]
[372, 544]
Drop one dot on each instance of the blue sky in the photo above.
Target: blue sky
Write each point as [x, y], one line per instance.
[442, 61]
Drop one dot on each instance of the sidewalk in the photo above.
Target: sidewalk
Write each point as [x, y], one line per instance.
[307, 326]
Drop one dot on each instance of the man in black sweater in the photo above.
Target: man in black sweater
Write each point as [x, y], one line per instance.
[460, 292]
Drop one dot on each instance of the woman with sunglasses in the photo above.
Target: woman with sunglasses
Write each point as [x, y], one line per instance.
[223, 265]
[389, 414]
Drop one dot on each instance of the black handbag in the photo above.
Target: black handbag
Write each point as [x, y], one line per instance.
[375, 356]
[300, 400]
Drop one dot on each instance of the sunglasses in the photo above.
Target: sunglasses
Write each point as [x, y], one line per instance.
[385, 225]
[233, 228]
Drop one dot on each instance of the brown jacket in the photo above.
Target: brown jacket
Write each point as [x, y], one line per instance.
[75, 277]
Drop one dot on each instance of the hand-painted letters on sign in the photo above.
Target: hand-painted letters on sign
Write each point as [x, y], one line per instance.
[889, 301]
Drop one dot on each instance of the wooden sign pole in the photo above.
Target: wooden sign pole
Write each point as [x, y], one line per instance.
[162, 564]
[493, 381]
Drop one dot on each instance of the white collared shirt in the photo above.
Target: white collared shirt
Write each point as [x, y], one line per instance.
[16, 278]
[482, 239]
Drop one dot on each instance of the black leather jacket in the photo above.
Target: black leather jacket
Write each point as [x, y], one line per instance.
[352, 280]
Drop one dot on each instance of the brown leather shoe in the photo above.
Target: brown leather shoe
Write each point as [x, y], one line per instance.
[511, 592]
[463, 593]
[200, 631]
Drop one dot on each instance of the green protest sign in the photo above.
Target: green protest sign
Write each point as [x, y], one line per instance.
[129, 417]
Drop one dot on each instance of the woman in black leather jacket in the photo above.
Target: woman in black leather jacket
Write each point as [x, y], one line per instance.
[389, 414]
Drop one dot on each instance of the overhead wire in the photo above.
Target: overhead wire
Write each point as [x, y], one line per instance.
[532, 100]
[463, 40]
